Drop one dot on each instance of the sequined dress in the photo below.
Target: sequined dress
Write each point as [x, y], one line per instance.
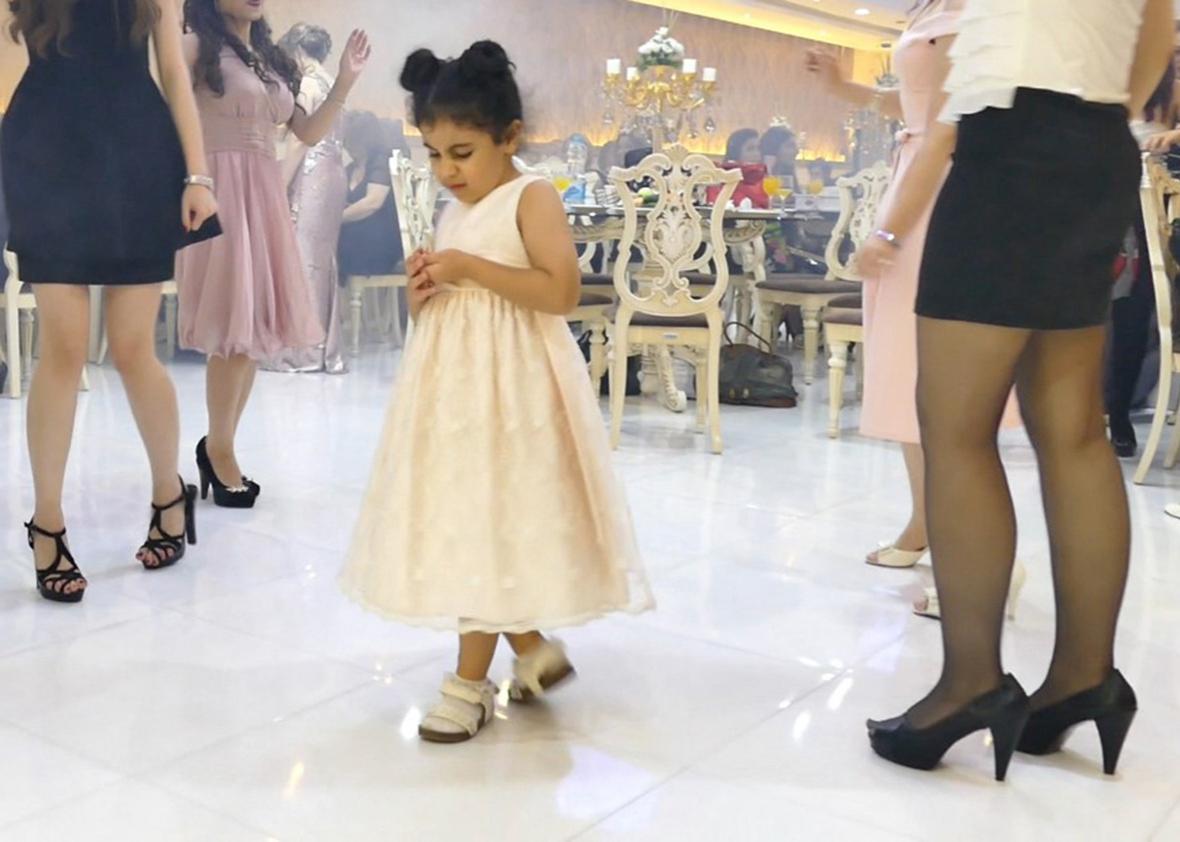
[318, 196]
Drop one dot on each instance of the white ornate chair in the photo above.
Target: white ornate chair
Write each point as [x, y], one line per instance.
[597, 288]
[1160, 199]
[677, 240]
[593, 312]
[407, 181]
[860, 196]
[843, 330]
[19, 307]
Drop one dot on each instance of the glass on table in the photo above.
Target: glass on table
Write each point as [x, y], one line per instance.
[779, 189]
[772, 184]
[563, 183]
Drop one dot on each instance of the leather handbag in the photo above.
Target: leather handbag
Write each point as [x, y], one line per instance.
[751, 376]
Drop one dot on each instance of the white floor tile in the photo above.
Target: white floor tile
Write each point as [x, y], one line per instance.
[688, 809]
[354, 769]
[38, 774]
[248, 700]
[137, 695]
[130, 811]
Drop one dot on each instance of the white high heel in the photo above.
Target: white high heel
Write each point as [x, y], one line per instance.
[933, 608]
[890, 556]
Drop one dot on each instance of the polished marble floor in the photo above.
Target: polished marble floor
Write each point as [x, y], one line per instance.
[240, 697]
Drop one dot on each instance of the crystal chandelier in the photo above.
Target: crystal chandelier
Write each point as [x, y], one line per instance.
[662, 94]
[871, 136]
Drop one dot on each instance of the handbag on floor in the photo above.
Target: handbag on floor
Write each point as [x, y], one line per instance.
[751, 376]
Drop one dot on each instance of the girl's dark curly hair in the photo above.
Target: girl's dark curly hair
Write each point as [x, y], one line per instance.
[477, 90]
[267, 59]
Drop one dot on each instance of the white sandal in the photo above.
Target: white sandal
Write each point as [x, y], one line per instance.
[1172, 510]
[465, 709]
[933, 609]
[540, 671]
[890, 556]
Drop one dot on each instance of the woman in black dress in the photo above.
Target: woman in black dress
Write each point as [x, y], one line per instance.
[369, 242]
[102, 193]
[1015, 290]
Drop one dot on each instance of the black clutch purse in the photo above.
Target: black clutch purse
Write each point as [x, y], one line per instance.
[209, 229]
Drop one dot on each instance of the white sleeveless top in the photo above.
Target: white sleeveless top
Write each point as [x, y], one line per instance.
[487, 229]
[1083, 48]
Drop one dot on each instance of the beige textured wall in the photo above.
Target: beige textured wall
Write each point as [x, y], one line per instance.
[560, 47]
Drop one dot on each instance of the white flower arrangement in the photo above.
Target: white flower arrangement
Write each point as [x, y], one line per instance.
[661, 50]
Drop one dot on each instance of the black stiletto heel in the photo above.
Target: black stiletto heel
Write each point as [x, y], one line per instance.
[223, 495]
[1005, 737]
[53, 580]
[1111, 706]
[1004, 712]
[167, 550]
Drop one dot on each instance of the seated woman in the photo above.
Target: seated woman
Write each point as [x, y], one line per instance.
[369, 240]
[743, 150]
[780, 153]
[743, 147]
[780, 150]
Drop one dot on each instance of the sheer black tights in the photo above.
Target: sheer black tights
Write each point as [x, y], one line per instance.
[966, 374]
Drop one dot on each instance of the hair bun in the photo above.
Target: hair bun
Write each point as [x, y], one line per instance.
[485, 58]
[421, 70]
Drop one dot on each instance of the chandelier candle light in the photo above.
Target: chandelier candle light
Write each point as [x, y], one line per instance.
[662, 93]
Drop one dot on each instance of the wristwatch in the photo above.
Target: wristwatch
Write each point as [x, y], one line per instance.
[199, 181]
[888, 237]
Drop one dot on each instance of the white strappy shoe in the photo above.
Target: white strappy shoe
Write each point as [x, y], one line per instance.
[1172, 510]
[933, 608]
[890, 556]
[540, 671]
[465, 709]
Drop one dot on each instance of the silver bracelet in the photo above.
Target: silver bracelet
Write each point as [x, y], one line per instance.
[888, 237]
[200, 181]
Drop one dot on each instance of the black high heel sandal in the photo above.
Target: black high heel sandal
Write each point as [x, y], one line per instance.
[53, 580]
[223, 495]
[1004, 712]
[167, 550]
[1111, 706]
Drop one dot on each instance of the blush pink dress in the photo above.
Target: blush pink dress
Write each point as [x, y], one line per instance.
[891, 343]
[492, 505]
[245, 292]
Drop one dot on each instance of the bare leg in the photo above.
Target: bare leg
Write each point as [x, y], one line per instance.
[522, 644]
[913, 538]
[1085, 499]
[225, 397]
[476, 651]
[131, 314]
[64, 316]
[966, 372]
[247, 388]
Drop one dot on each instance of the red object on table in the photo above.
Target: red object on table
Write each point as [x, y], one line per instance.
[750, 187]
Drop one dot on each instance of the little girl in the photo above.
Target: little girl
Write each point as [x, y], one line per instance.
[492, 509]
